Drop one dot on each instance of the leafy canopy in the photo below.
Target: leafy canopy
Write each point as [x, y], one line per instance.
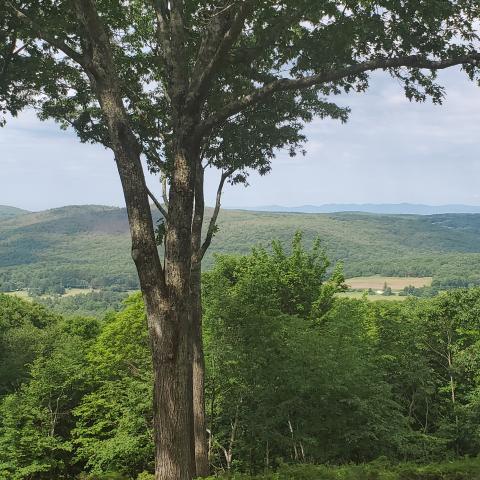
[251, 73]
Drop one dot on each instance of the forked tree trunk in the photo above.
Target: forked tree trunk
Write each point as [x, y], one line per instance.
[169, 318]
[166, 291]
[168, 311]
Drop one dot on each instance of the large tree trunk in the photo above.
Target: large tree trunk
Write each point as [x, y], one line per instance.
[171, 351]
[200, 428]
[172, 356]
[168, 304]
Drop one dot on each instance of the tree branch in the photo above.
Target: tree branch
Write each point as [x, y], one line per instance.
[216, 210]
[284, 84]
[52, 40]
[179, 62]
[162, 14]
[19, 49]
[105, 82]
[163, 178]
[215, 50]
[157, 204]
[197, 219]
[153, 155]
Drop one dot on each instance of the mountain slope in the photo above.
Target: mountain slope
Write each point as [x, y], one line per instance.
[7, 212]
[89, 245]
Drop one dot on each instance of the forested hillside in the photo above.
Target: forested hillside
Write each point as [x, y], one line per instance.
[7, 212]
[88, 246]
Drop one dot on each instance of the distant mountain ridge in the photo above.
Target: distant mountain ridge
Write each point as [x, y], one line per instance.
[382, 208]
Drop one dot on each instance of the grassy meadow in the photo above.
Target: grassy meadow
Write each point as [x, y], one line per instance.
[377, 282]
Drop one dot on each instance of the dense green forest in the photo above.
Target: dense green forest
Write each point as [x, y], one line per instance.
[296, 377]
[88, 246]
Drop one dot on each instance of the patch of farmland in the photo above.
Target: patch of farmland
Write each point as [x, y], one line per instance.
[377, 282]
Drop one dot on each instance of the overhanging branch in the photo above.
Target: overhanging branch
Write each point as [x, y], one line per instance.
[52, 40]
[285, 84]
[215, 49]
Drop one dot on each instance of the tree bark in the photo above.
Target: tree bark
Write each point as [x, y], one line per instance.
[168, 310]
[200, 428]
[171, 350]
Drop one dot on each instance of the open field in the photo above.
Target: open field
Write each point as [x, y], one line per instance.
[377, 282]
[19, 293]
[69, 292]
[373, 298]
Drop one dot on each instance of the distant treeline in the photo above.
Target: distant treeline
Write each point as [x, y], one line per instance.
[51, 280]
[94, 304]
[448, 271]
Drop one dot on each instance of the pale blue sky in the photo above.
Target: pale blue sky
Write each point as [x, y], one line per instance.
[390, 151]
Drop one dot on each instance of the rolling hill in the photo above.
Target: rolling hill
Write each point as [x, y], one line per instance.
[7, 212]
[81, 246]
